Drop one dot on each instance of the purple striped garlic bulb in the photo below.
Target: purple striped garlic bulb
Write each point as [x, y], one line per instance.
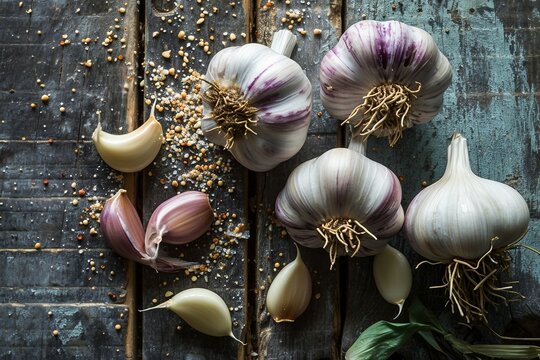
[257, 102]
[384, 77]
[343, 202]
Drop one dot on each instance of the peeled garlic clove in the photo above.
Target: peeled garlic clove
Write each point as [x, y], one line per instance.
[133, 151]
[203, 310]
[393, 276]
[179, 220]
[290, 292]
[257, 102]
[123, 231]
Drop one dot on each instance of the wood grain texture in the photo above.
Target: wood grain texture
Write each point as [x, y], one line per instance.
[164, 335]
[315, 334]
[44, 151]
[493, 102]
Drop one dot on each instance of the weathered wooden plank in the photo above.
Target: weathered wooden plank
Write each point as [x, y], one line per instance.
[85, 331]
[315, 335]
[42, 152]
[493, 102]
[224, 250]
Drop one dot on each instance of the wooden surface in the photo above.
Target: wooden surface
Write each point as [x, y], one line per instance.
[493, 101]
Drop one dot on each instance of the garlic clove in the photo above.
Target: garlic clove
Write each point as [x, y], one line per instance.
[203, 310]
[290, 292]
[393, 276]
[123, 231]
[133, 151]
[179, 220]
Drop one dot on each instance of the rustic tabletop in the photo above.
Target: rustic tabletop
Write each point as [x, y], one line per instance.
[65, 295]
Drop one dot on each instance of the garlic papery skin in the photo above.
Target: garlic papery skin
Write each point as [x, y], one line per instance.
[393, 276]
[341, 201]
[179, 220]
[133, 151]
[468, 224]
[123, 231]
[384, 77]
[290, 292]
[460, 214]
[203, 310]
[257, 102]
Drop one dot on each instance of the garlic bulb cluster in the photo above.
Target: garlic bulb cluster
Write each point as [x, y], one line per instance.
[203, 310]
[341, 201]
[468, 223]
[181, 219]
[123, 230]
[290, 292]
[257, 102]
[393, 276]
[133, 151]
[384, 77]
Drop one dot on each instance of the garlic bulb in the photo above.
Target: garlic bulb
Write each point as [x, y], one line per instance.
[179, 220]
[393, 276]
[384, 77]
[341, 201]
[290, 292]
[257, 102]
[203, 310]
[133, 151]
[123, 231]
[468, 223]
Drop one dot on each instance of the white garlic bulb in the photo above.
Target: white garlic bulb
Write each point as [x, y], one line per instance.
[133, 151]
[203, 310]
[290, 292]
[257, 102]
[468, 224]
[461, 213]
[341, 201]
[393, 276]
[384, 77]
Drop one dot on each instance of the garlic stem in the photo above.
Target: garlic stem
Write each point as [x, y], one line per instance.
[283, 42]
[458, 157]
[358, 143]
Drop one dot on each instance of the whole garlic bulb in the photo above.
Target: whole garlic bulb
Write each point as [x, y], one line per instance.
[461, 213]
[257, 102]
[468, 224]
[384, 77]
[341, 201]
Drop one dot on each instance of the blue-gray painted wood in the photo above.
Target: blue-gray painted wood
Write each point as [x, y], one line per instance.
[42, 152]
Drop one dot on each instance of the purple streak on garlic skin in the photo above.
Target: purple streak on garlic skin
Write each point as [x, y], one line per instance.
[123, 232]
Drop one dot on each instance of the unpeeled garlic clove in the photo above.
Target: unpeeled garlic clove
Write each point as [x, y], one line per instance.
[203, 310]
[123, 231]
[133, 151]
[290, 292]
[393, 276]
[179, 220]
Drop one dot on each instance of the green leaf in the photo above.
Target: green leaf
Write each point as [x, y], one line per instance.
[382, 339]
[418, 313]
[506, 351]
